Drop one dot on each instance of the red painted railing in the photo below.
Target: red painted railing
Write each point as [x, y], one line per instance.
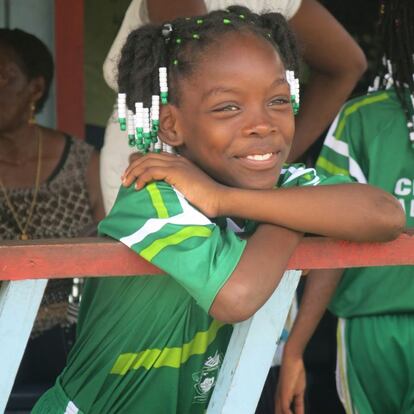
[102, 257]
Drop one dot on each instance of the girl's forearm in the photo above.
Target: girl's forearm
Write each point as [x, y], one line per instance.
[354, 212]
[319, 289]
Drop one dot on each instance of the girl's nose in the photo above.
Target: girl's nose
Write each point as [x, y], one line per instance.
[259, 126]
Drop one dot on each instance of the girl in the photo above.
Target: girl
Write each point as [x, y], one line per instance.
[372, 141]
[155, 344]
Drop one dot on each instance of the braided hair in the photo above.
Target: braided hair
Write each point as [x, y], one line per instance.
[179, 49]
[32, 56]
[395, 62]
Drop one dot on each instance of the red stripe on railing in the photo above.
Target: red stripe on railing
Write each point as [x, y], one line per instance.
[101, 257]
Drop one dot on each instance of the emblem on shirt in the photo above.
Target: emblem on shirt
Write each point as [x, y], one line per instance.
[205, 379]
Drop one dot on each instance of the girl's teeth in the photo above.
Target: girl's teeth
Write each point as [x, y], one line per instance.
[258, 157]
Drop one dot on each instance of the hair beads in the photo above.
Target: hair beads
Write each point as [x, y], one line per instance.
[122, 111]
[163, 85]
[154, 58]
[294, 90]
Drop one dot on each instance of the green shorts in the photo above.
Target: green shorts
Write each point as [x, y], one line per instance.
[375, 364]
[55, 401]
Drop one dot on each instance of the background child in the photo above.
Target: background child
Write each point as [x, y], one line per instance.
[372, 141]
[155, 344]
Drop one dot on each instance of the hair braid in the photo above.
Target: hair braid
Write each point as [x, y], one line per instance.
[146, 49]
[395, 35]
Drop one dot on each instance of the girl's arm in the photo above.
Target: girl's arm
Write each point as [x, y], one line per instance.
[320, 286]
[356, 212]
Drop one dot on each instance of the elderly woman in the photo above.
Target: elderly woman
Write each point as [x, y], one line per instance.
[49, 184]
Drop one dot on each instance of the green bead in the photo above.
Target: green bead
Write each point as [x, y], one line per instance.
[226, 21]
[200, 21]
[242, 16]
[122, 124]
[196, 36]
[178, 40]
[131, 140]
[175, 62]
[164, 98]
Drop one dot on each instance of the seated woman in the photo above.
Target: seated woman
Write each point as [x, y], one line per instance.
[49, 186]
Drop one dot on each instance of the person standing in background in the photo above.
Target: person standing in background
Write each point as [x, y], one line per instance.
[372, 141]
[49, 188]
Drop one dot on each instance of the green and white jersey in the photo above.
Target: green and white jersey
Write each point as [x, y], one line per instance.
[147, 344]
[369, 142]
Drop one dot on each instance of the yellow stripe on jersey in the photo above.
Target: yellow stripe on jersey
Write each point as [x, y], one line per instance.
[157, 201]
[352, 108]
[167, 357]
[190, 231]
[330, 167]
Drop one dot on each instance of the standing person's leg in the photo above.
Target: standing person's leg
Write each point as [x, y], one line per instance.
[375, 370]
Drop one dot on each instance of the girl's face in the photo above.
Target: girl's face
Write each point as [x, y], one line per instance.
[235, 119]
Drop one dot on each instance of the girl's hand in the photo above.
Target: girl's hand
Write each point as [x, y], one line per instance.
[196, 186]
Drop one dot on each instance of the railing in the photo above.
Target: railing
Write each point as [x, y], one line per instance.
[26, 266]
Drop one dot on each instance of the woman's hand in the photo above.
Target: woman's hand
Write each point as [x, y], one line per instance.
[291, 386]
[196, 186]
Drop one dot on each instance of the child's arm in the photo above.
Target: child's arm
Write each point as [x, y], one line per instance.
[327, 210]
[353, 211]
[320, 286]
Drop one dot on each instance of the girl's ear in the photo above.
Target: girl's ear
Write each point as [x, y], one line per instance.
[168, 130]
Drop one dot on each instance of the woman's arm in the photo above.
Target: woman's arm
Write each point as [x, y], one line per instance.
[336, 62]
[160, 11]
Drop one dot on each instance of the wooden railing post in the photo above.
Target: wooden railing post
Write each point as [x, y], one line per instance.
[19, 303]
[250, 352]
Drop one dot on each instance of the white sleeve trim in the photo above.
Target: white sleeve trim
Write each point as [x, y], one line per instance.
[342, 148]
[189, 217]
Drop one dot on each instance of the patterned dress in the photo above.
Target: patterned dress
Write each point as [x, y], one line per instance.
[62, 210]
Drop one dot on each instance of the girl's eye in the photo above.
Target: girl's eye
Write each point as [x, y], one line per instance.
[280, 100]
[227, 108]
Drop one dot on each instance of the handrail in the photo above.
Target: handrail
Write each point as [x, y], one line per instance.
[25, 266]
[91, 257]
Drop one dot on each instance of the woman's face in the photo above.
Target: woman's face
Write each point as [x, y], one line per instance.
[234, 117]
[16, 93]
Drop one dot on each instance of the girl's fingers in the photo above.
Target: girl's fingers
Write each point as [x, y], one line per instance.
[151, 174]
[139, 166]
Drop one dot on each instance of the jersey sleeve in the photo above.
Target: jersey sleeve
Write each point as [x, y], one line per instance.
[297, 175]
[160, 225]
[342, 151]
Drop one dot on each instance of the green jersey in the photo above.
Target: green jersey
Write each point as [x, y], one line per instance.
[147, 344]
[369, 142]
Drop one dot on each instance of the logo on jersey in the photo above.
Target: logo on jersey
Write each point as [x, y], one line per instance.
[404, 191]
[205, 379]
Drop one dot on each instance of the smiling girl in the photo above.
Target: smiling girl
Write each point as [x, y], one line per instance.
[155, 344]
